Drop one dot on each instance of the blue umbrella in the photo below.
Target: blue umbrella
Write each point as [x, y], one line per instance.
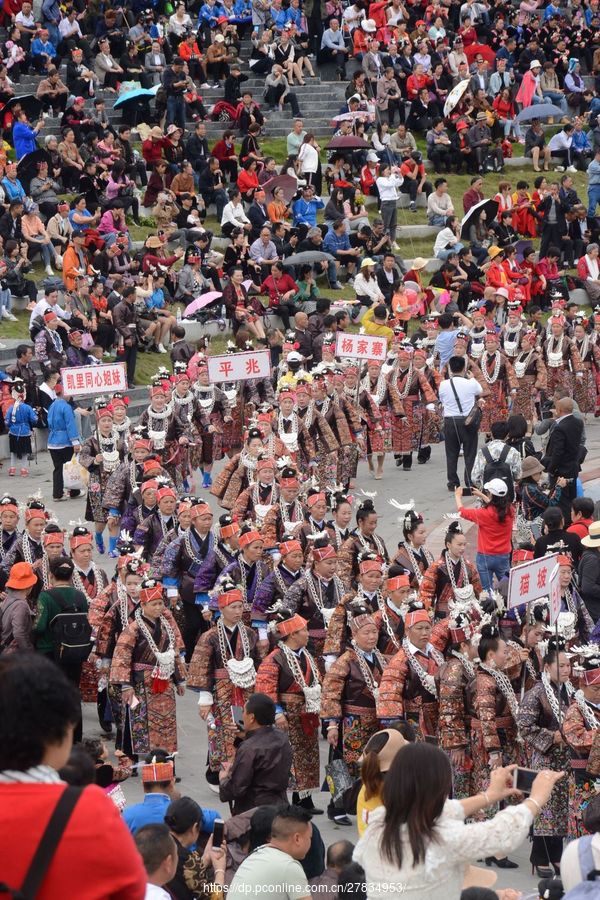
[538, 111]
[135, 95]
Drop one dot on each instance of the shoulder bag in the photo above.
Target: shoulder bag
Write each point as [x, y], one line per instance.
[474, 417]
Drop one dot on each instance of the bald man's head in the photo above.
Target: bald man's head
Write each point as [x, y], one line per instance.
[564, 407]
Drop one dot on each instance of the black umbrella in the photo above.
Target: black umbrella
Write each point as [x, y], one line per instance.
[29, 103]
[28, 166]
[491, 211]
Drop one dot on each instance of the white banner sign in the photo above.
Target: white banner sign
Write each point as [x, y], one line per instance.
[360, 346]
[531, 580]
[107, 378]
[239, 366]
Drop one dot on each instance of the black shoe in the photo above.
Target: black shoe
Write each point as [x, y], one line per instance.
[339, 818]
[504, 863]
[424, 455]
[398, 461]
[452, 487]
[407, 462]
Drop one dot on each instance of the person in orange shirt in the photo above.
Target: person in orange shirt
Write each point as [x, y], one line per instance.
[190, 52]
[74, 260]
[247, 180]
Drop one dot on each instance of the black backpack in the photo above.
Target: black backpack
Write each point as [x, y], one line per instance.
[71, 631]
[498, 468]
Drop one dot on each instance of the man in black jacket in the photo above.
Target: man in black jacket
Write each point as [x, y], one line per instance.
[196, 147]
[565, 452]
[553, 220]
[22, 369]
[211, 186]
[260, 771]
[10, 223]
[257, 213]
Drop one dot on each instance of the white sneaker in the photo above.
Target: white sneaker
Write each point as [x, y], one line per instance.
[48, 270]
[560, 168]
[571, 169]
[161, 349]
[3, 313]
[10, 317]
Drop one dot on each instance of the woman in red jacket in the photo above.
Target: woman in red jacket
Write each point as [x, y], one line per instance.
[247, 180]
[224, 151]
[416, 82]
[494, 534]
[96, 858]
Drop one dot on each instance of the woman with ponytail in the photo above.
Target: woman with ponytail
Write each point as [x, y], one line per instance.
[540, 718]
[494, 718]
[20, 419]
[451, 577]
[494, 535]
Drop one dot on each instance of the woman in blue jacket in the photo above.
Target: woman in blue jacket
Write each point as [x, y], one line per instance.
[24, 136]
[63, 442]
[19, 420]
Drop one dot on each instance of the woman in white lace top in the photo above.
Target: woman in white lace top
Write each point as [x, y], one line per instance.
[418, 845]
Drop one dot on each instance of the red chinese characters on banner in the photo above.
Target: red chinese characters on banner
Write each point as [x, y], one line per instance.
[239, 366]
[360, 346]
[531, 580]
[81, 380]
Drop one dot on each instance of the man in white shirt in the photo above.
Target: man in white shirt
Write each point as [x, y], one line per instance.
[159, 855]
[25, 22]
[276, 864]
[458, 395]
[49, 301]
[560, 145]
[439, 203]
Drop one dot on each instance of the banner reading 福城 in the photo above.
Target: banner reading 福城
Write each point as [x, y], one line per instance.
[79, 381]
[239, 366]
[360, 346]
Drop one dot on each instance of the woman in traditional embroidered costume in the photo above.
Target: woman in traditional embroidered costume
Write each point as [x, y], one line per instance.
[101, 454]
[523, 656]
[589, 354]
[581, 731]
[240, 472]
[412, 554]
[561, 357]
[409, 684]
[289, 675]
[224, 551]
[223, 670]
[316, 595]
[530, 375]
[314, 522]
[451, 576]
[168, 431]
[362, 539]
[353, 396]
[499, 376]
[161, 521]
[249, 570]
[291, 430]
[454, 677]
[380, 434]
[260, 496]
[416, 396]
[572, 603]
[324, 460]
[493, 708]
[338, 525]
[125, 481]
[513, 329]
[148, 667]
[388, 617]
[211, 414]
[351, 688]
[541, 715]
[286, 516]
[124, 593]
[28, 547]
[270, 593]
[368, 593]
[344, 430]
[91, 580]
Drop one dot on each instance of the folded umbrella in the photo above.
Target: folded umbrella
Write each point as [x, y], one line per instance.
[539, 111]
[307, 256]
[201, 302]
[491, 211]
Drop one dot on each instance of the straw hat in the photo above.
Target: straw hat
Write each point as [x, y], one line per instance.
[493, 251]
[418, 263]
[592, 539]
[367, 261]
[156, 132]
[369, 25]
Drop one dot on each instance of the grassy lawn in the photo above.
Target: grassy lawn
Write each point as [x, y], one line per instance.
[148, 363]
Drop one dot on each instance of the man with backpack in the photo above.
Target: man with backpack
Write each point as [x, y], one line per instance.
[61, 628]
[497, 459]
